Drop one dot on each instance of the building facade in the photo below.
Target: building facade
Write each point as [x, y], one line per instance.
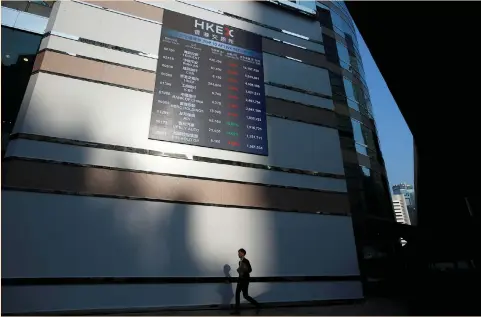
[401, 209]
[407, 191]
[102, 209]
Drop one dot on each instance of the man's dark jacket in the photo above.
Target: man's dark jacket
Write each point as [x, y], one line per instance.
[244, 269]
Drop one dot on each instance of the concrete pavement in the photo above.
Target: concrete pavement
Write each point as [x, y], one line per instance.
[376, 307]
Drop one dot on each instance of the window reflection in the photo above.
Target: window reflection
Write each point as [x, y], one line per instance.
[18, 55]
[342, 27]
[366, 171]
[343, 52]
[341, 5]
[353, 105]
[322, 5]
[368, 137]
[358, 133]
[357, 98]
[361, 148]
[353, 91]
[349, 62]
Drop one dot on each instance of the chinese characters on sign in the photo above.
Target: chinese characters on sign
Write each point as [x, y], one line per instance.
[209, 87]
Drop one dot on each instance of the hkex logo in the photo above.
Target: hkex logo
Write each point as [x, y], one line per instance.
[214, 28]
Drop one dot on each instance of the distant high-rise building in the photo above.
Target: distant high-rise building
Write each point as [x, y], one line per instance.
[406, 190]
[401, 209]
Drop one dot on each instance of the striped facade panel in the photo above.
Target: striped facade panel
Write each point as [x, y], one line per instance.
[167, 165]
[118, 116]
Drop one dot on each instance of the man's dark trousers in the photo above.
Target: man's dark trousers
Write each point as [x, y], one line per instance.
[243, 286]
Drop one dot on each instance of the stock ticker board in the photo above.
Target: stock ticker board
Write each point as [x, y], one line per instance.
[209, 88]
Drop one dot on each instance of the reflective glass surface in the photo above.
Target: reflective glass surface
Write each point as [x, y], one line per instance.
[342, 27]
[353, 105]
[368, 136]
[366, 171]
[342, 6]
[358, 99]
[31, 22]
[350, 62]
[18, 55]
[353, 91]
[361, 149]
[343, 53]
[358, 132]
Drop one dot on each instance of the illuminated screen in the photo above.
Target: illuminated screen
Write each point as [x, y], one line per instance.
[209, 88]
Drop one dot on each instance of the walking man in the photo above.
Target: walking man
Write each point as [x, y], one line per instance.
[244, 271]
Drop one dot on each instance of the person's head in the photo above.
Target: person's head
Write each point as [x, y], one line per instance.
[241, 253]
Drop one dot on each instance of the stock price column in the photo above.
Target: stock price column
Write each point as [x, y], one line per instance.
[177, 112]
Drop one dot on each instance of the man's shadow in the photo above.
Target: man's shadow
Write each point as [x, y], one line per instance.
[225, 289]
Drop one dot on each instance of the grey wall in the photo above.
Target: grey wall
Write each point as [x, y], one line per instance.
[60, 235]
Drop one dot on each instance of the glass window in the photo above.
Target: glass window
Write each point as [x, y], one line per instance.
[343, 52]
[368, 137]
[322, 5]
[41, 8]
[310, 5]
[358, 133]
[342, 27]
[43, 3]
[18, 55]
[353, 105]
[349, 62]
[361, 148]
[340, 24]
[353, 91]
[341, 5]
[366, 171]
[349, 89]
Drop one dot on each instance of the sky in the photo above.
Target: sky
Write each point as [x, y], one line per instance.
[394, 135]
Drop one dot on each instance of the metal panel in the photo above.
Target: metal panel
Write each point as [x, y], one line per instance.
[299, 97]
[82, 110]
[147, 163]
[295, 74]
[97, 52]
[95, 24]
[73, 236]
